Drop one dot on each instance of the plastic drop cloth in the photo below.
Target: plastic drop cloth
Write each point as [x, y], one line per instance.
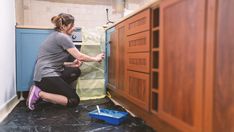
[49, 117]
[90, 84]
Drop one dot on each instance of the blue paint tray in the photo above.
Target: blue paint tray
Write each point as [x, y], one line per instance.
[110, 116]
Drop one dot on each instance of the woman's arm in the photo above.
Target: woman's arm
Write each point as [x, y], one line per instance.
[75, 63]
[83, 57]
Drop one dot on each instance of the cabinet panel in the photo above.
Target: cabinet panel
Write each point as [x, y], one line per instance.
[112, 61]
[138, 85]
[182, 63]
[223, 95]
[120, 29]
[139, 42]
[107, 54]
[28, 42]
[138, 62]
[139, 22]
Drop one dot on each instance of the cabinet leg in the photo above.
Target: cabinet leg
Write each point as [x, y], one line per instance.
[21, 96]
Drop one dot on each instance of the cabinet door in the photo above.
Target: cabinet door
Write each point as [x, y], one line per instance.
[121, 36]
[28, 42]
[112, 61]
[138, 86]
[223, 90]
[181, 66]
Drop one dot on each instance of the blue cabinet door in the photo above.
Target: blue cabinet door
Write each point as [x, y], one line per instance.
[107, 52]
[28, 42]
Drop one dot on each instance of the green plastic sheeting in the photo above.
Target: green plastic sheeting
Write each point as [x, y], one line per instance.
[90, 84]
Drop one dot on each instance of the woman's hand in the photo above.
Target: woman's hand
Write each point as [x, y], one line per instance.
[100, 57]
[75, 63]
[85, 58]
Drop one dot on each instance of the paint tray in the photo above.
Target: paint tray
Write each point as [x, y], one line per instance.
[110, 116]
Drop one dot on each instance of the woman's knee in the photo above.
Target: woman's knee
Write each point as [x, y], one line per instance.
[73, 102]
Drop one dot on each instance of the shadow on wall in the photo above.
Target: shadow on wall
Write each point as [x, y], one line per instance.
[88, 2]
[115, 3]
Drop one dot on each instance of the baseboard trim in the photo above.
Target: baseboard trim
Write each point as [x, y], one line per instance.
[117, 103]
[149, 118]
[8, 107]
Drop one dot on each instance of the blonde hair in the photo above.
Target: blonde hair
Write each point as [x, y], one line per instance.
[62, 19]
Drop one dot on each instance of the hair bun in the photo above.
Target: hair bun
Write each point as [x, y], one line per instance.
[62, 20]
[55, 19]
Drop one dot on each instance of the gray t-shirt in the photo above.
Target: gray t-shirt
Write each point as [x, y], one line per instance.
[52, 55]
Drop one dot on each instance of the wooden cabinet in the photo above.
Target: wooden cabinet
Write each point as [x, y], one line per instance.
[121, 61]
[179, 65]
[182, 37]
[138, 42]
[219, 85]
[138, 62]
[138, 85]
[116, 59]
[108, 55]
[223, 99]
[138, 58]
[155, 52]
[129, 58]
[112, 60]
[138, 23]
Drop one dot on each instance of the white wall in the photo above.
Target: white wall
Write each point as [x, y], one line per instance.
[19, 10]
[7, 52]
[88, 13]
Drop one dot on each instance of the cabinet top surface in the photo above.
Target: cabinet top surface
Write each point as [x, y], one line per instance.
[32, 27]
[151, 3]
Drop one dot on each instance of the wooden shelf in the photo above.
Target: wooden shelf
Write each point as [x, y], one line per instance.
[155, 61]
[154, 112]
[155, 70]
[155, 39]
[154, 81]
[154, 101]
[155, 29]
[155, 49]
[155, 15]
[154, 90]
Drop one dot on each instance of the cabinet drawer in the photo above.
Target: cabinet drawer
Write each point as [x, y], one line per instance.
[139, 22]
[139, 42]
[138, 89]
[138, 62]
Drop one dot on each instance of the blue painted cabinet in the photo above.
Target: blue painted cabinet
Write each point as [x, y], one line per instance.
[109, 33]
[28, 42]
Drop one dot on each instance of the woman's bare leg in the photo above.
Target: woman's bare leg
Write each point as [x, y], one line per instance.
[54, 98]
